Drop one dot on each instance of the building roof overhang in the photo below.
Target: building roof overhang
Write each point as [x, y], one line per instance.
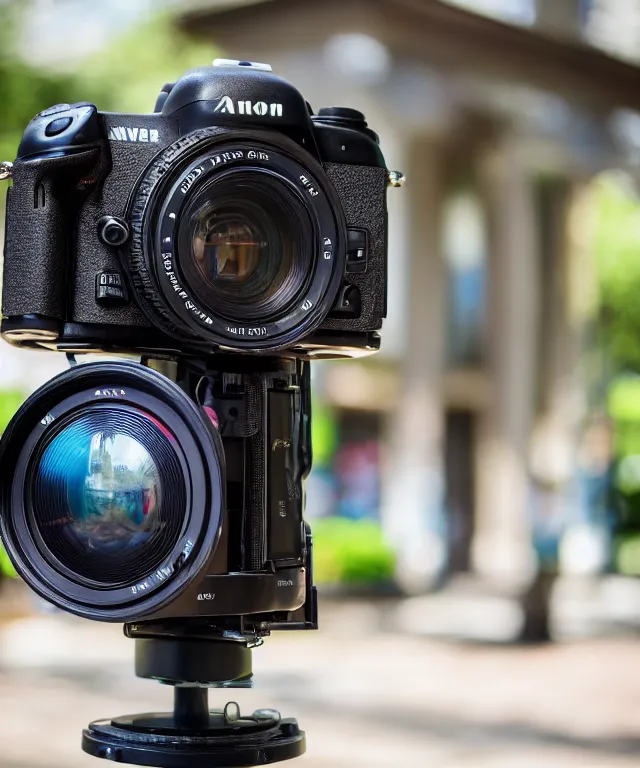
[425, 31]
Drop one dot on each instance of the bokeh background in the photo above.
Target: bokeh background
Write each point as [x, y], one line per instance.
[475, 496]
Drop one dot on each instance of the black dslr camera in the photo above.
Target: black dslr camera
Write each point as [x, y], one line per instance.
[168, 493]
[230, 218]
[129, 495]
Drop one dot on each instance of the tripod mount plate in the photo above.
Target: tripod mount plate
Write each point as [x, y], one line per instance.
[226, 740]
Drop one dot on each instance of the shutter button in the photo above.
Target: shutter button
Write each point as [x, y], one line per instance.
[345, 117]
[58, 126]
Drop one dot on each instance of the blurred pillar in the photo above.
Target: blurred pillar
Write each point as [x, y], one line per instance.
[567, 290]
[560, 398]
[413, 488]
[568, 461]
[502, 548]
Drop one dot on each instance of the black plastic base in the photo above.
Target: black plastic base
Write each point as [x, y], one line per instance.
[225, 741]
[193, 736]
[208, 662]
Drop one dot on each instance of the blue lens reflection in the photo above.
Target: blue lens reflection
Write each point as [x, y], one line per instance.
[108, 489]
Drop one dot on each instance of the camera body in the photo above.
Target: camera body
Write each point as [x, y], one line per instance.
[93, 256]
[260, 575]
[167, 493]
[205, 525]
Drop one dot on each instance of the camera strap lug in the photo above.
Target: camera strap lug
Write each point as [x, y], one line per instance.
[6, 170]
[396, 178]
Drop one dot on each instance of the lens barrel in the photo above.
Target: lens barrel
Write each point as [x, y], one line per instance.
[238, 240]
[111, 496]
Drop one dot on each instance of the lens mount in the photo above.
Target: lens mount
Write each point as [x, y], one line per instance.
[111, 495]
[237, 240]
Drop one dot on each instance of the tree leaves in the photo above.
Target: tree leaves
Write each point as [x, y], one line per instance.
[616, 250]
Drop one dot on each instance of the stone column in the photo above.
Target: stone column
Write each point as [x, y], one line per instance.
[560, 396]
[413, 488]
[582, 446]
[501, 549]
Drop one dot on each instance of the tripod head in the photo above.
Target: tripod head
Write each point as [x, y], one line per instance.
[192, 735]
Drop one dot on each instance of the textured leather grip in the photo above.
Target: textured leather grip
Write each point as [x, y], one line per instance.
[41, 209]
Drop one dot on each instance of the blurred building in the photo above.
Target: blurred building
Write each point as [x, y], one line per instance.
[499, 112]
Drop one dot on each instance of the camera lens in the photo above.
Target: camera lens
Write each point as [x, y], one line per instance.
[108, 498]
[236, 242]
[111, 491]
[245, 246]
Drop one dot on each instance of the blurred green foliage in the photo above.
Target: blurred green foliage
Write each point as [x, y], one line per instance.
[624, 399]
[350, 552]
[125, 77]
[623, 406]
[128, 75]
[10, 401]
[624, 409]
[627, 554]
[616, 248]
[324, 433]
[6, 568]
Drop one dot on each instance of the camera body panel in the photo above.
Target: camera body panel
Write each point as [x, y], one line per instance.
[261, 569]
[242, 427]
[66, 285]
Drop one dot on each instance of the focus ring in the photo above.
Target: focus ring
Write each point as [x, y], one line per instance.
[143, 282]
[145, 256]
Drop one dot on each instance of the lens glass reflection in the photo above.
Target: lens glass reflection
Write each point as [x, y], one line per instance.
[114, 489]
[247, 246]
[227, 250]
[101, 499]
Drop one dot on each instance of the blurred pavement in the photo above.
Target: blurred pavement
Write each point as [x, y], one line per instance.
[367, 694]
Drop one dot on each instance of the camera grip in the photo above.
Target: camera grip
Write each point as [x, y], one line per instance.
[41, 208]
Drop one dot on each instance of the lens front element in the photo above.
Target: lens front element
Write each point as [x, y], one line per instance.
[237, 242]
[108, 498]
[249, 246]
